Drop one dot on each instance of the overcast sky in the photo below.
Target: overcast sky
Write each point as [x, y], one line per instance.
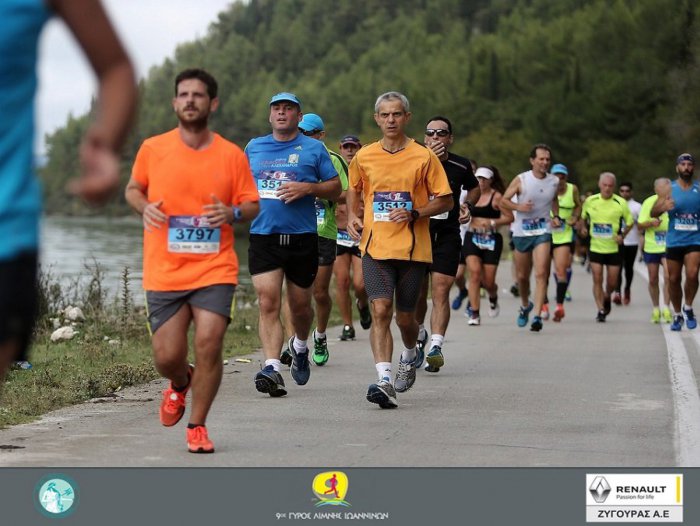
[150, 30]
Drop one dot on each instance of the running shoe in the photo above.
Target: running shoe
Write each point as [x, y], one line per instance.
[405, 376]
[270, 381]
[627, 297]
[347, 334]
[468, 312]
[545, 311]
[474, 320]
[677, 324]
[459, 299]
[515, 290]
[22, 365]
[666, 315]
[300, 364]
[606, 305]
[321, 355]
[559, 312]
[435, 359]
[656, 315]
[420, 355]
[365, 316]
[616, 298]
[536, 325]
[198, 440]
[172, 407]
[524, 314]
[568, 297]
[690, 321]
[494, 309]
[286, 357]
[383, 394]
[600, 317]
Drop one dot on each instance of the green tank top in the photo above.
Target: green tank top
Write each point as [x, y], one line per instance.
[565, 234]
[325, 210]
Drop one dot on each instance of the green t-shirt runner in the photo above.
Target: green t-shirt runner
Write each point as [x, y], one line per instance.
[325, 210]
[654, 236]
[604, 218]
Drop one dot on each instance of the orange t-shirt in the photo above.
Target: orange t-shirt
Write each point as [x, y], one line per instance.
[407, 178]
[185, 253]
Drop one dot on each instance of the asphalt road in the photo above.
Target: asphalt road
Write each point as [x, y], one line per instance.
[579, 393]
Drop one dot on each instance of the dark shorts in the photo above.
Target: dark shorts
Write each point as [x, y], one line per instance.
[18, 301]
[162, 305]
[614, 259]
[653, 258]
[571, 245]
[678, 253]
[528, 243]
[342, 250]
[326, 251]
[384, 277]
[480, 248]
[447, 251]
[295, 254]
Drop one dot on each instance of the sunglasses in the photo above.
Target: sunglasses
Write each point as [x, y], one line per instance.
[439, 133]
[309, 133]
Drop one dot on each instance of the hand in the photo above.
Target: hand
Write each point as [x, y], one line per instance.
[218, 213]
[152, 216]
[438, 148]
[99, 164]
[400, 215]
[556, 221]
[292, 191]
[464, 214]
[355, 227]
[583, 231]
[525, 207]
[619, 239]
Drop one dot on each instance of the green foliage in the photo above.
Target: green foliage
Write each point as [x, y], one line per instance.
[609, 84]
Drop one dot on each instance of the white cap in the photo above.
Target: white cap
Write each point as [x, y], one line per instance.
[483, 172]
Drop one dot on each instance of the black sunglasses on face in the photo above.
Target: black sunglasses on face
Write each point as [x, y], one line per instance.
[309, 133]
[439, 133]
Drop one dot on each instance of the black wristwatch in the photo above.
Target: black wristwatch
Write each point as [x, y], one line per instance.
[470, 206]
[415, 214]
[237, 214]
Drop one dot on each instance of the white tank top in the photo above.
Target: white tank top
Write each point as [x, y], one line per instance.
[541, 192]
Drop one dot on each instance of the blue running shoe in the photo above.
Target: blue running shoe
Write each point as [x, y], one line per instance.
[536, 325]
[457, 302]
[524, 314]
[383, 394]
[690, 321]
[420, 349]
[435, 359]
[270, 381]
[300, 364]
[468, 312]
[677, 324]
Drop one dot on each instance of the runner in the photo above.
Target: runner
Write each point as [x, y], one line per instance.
[563, 237]
[460, 278]
[348, 260]
[536, 192]
[603, 216]
[291, 170]
[20, 194]
[312, 126]
[445, 243]
[394, 178]
[682, 240]
[629, 248]
[483, 243]
[654, 249]
[190, 185]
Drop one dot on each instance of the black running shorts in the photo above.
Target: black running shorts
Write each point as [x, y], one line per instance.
[295, 254]
[326, 251]
[18, 301]
[447, 252]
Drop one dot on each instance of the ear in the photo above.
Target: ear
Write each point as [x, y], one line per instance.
[214, 104]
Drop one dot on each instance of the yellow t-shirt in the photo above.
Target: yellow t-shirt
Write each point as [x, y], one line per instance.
[407, 178]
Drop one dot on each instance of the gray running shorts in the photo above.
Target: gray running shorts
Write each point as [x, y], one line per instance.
[384, 277]
[162, 305]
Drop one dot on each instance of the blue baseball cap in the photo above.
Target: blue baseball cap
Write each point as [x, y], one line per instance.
[285, 96]
[685, 157]
[311, 122]
[559, 169]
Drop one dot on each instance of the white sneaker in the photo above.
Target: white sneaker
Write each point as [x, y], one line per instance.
[475, 320]
[494, 310]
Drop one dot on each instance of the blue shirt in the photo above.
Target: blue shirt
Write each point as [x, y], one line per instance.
[20, 195]
[684, 217]
[273, 163]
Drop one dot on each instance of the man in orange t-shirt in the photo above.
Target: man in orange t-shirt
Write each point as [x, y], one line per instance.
[190, 185]
[402, 184]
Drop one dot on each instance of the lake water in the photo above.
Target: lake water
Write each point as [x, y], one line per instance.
[71, 245]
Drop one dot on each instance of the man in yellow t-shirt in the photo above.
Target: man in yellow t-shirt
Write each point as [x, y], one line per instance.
[401, 184]
[190, 185]
[603, 215]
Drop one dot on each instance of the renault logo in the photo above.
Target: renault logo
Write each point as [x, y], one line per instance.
[600, 489]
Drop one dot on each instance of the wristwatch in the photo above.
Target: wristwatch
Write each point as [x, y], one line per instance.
[415, 214]
[237, 214]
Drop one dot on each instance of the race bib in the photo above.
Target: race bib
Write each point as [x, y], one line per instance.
[686, 222]
[192, 235]
[485, 240]
[660, 237]
[385, 202]
[534, 227]
[344, 239]
[271, 181]
[602, 230]
[320, 212]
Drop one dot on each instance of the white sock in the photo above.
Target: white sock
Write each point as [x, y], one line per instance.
[276, 364]
[408, 355]
[300, 346]
[384, 371]
[437, 339]
[687, 307]
[319, 335]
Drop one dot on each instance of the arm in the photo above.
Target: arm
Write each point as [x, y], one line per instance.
[355, 224]
[506, 215]
[116, 101]
[441, 203]
[577, 208]
[136, 197]
[513, 190]
[292, 191]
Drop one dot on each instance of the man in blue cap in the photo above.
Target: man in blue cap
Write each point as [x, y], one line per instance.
[291, 171]
[682, 240]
